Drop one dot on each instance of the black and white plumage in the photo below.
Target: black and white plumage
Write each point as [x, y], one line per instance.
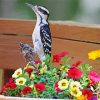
[46, 39]
[41, 35]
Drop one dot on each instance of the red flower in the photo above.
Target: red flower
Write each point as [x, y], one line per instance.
[37, 62]
[91, 83]
[7, 85]
[1, 92]
[26, 90]
[87, 93]
[10, 86]
[74, 73]
[56, 87]
[64, 53]
[11, 80]
[29, 70]
[76, 64]
[40, 87]
[56, 58]
[13, 85]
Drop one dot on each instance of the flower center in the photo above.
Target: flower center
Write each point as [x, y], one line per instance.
[18, 73]
[75, 92]
[21, 82]
[63, 84]
[74, 86]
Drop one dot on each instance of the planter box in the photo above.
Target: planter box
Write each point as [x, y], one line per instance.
[20, 98]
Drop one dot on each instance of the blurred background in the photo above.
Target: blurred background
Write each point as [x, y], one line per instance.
[85, 11]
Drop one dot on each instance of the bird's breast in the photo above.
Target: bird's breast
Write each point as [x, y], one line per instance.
[36, 35]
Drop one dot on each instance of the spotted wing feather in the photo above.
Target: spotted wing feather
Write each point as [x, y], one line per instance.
[46, 39]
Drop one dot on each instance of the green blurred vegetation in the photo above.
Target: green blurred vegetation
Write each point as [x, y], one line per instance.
[83, 11]
[59, 9]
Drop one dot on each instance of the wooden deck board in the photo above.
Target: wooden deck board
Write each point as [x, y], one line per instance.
[68, 31]
[10, 53]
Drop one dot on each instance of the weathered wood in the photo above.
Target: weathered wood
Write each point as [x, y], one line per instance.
[59, 29]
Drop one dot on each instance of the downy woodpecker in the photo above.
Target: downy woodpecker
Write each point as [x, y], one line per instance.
[41, 35]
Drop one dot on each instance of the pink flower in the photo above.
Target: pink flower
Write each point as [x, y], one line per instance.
[94, 76]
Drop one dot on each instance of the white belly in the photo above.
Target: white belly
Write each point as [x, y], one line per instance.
[37, 40]
[38, 46]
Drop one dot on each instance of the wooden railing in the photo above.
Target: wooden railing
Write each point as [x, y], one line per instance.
[77, 39]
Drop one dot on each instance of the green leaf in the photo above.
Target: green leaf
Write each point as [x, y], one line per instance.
[86, 67]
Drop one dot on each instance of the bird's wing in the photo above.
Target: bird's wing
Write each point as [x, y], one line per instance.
[46, 38]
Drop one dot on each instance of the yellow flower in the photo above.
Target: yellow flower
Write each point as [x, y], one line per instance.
[76, 92]
[17, 73]
[32, 76]
[93, 55]
[63, 69]
[63, 84]
[75, 84]
[44, 69]
[82, 97]
[20, 81]
[29, 66]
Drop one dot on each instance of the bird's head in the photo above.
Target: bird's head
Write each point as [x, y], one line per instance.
[40, 11]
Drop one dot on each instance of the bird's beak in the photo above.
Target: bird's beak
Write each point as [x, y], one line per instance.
[29, 5]
[32, 7]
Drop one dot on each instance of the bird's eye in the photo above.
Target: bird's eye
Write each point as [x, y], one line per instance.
[43, 11]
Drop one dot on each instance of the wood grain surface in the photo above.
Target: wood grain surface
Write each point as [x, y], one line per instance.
[77, 39]
[58, 29]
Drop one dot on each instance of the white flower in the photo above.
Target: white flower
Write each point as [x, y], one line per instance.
[75, 84]
[32, 76]
[63, 84]
[20, 81]
[17, 73]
